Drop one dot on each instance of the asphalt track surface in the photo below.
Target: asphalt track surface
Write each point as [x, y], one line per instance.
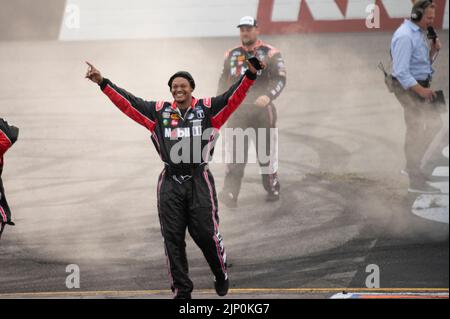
[81, 181]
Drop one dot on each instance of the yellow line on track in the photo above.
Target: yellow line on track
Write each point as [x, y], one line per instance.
[123, 293]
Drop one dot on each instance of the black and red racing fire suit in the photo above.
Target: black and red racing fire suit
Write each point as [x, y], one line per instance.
[186, 191]
[8, 136]
[271, 82]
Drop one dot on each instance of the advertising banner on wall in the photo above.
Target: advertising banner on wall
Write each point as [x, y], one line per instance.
[298, 16]
[138, 19]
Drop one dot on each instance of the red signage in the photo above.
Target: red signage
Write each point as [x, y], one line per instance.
[309, 20]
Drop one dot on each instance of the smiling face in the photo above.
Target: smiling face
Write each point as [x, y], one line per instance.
[181, 91]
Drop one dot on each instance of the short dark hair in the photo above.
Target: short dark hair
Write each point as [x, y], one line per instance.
[182, 74]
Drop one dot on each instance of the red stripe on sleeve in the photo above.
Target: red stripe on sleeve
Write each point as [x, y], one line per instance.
[5, 143]
[125, 106]
[233, 103]
[207, 102]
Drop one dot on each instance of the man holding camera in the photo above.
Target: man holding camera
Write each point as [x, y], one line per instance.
[412, 57]
[257, 112]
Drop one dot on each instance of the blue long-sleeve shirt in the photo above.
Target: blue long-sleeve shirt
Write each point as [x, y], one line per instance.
[410, 55]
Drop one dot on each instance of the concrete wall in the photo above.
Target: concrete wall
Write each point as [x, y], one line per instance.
[118, 19]
[30, 20]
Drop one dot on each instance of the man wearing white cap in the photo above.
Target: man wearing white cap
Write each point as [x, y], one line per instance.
[257, 112]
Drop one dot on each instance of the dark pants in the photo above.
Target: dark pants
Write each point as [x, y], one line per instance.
[423, 122]
[191, 205]
[251, 117]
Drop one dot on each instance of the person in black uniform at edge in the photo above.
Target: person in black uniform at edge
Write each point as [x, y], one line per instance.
[8, 136]
[258, 111]
[186, 191]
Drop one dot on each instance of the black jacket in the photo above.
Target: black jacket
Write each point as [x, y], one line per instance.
[181, 140]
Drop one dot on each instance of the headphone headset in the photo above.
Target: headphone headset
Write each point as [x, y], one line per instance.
[419, 9]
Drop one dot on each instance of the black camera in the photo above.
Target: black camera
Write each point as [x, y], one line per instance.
[255, 62]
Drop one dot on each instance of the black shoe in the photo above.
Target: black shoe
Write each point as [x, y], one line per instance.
[222, 286]
[228, 199]
[422, 187]
[273, 196]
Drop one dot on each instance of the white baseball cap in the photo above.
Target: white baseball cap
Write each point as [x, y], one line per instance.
[247, 20]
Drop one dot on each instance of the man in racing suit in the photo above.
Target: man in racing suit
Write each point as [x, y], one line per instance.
[258, 112]
[8, 136]
[184, 132]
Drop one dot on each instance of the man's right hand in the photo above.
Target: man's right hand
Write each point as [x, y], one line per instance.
[93, 74]
[426, 93]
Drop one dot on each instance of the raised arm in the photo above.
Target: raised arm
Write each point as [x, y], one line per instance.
[143, 112]
[224, 105]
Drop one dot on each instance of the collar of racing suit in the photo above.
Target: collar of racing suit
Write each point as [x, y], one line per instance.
[193, 103]
[257, 44]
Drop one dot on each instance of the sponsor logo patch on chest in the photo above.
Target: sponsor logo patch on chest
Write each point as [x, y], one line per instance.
[182, 132]
[200, 114]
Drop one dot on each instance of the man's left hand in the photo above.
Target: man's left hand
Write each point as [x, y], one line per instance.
[262, 101]
[436, 46]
